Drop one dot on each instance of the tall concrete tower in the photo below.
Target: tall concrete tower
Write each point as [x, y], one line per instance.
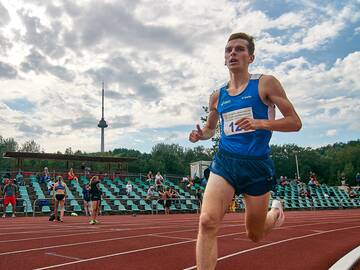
[102, 123]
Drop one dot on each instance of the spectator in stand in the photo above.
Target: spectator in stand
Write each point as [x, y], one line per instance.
[149, 177]
[352, 194]
[86, 196]
[59, 198]
[150, 193]
[50, 186]
[191, 183]
[72, 176]
[203, 182]
[185, 179]
[343, 179]
[10, 192]
[358, 179]
[129, 188]
[158, 181]
[45, 176]
[20, 179]
[311, 183]
[284, 181]
[315, 180]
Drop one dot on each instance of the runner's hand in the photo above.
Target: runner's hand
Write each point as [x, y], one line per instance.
[196, 135]
[247, 123]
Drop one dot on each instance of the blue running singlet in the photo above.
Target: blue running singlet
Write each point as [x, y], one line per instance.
[253, 143]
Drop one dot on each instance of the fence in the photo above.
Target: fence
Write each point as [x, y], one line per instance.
[152, 205]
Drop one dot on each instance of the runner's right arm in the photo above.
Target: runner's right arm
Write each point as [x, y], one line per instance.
[208, 131]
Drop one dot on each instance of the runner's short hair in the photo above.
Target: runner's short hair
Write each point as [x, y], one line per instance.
[248, 38]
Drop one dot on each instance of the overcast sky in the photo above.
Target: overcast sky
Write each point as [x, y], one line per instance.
[160, 60]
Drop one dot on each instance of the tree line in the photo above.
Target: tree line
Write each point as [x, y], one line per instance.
[328, 162]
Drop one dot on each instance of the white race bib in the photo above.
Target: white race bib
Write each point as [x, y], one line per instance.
[230, 128]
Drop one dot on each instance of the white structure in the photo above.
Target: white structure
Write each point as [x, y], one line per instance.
[102, 123]
[197, 168]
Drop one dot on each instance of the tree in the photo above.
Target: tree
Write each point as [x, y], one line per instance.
[68, 151]
[30, 146]
[9, 144]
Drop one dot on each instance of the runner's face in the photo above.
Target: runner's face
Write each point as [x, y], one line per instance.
[237, 55]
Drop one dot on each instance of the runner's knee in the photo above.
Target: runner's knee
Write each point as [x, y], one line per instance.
[208, 222]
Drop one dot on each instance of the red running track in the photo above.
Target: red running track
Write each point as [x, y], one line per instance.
[307, 240]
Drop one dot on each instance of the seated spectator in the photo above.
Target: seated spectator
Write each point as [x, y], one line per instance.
[311, 182]
[185, 179]
[191, 183]
[149, 177]
[150, 193]
[158, 181]
[284, 181]
[129, 188]
[315, 180]
[71, 175]
[343, 179]
[357, 179]
[196, 180]
[20, 178]
[352, 194]
[45, 176]
[204, 182]
[50, 186]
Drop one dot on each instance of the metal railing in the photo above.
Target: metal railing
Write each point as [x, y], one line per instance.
[152, 202]
[198, 203]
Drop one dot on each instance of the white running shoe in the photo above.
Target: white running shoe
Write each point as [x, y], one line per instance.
[13, 215]
[280, 220]
[92, 222]
[3, 216]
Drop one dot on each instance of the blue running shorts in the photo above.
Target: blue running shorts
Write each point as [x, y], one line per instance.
[254, 176]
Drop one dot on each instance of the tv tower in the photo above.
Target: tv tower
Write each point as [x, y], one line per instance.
[102, 123]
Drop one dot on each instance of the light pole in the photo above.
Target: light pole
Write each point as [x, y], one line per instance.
[297, 165]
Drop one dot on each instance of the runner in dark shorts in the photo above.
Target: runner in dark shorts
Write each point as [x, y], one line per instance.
[245, 106]
[86, 196]
[95, 197]
[59, 198]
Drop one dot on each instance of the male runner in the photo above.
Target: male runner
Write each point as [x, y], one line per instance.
[246, 106]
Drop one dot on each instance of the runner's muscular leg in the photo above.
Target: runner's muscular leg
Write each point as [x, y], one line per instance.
[218, 194]
[258, 220]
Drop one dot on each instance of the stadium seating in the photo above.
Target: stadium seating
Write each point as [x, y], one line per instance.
[115, 199]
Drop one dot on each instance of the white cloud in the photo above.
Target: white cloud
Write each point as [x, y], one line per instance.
[331, 132]
[160, 60]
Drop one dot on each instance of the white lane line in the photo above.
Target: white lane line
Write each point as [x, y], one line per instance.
[180, 243]
[37, 231]
[171, 237]
[62, 256]
[142, 235]
[248, 240]
[56, 236]
[276, 243]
